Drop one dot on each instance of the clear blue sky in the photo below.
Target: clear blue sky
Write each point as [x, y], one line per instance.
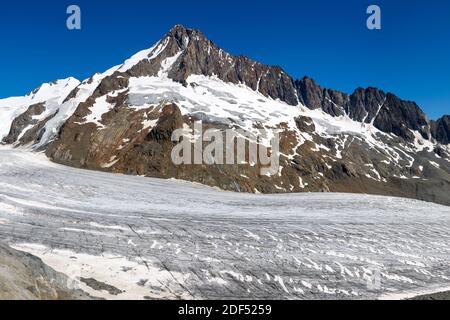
[327, 40]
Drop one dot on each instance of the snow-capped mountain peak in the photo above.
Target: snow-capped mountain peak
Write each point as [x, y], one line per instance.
[183, 52]
[175, 41]
[55, 88]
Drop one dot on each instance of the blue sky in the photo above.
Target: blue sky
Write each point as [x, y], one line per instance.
[326, 40]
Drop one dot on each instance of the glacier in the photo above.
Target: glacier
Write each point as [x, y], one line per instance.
[152, 238]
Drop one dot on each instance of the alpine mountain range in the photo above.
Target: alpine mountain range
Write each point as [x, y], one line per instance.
[122, 121]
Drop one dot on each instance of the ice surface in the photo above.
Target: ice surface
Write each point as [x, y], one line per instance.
[170, 239]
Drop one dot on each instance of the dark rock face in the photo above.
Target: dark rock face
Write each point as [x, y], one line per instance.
[305, 124]
[399, 117]
[315, 97]
[365, 104]
[386, 111]
[23, 121]
[34, 134]
[169, 120]
[440, 130]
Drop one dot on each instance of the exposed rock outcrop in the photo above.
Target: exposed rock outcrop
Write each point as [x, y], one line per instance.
[26, 277]
[440, 130]
[23, 121]
[386, 112]
[315, 97]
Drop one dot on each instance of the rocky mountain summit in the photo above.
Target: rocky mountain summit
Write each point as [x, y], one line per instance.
[122, 121]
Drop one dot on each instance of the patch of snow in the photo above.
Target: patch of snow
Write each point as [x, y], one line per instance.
[100, 107]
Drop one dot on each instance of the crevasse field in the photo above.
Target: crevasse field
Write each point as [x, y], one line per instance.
[148, 238]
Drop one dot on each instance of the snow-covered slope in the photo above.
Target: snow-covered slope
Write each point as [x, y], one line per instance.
[82, 92]
[51, 94]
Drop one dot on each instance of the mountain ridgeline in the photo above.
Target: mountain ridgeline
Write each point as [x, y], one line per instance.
[122, 120]
[200, 56]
